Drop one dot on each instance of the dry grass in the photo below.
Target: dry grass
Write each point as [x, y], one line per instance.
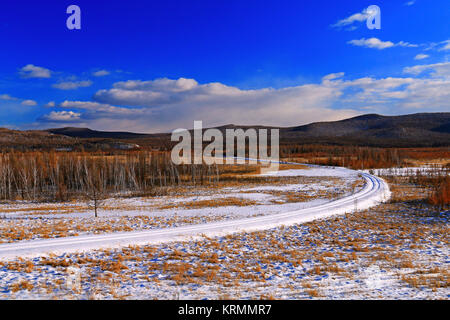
[219, 202]
[292, 166]
[21, 285]
[45, 209]
[24, 229]
[396, 237]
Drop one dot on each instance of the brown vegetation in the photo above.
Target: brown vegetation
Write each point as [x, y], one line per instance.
[61, 176]
[441, 194]
[357, 157]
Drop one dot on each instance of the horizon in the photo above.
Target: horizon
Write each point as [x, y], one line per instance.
[152, 68]
[229, 124]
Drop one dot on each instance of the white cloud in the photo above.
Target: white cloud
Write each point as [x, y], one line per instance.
[404, 95]
[406, 44]
[51, 104]
[438, 46]
[372, 43]
[29, 103]
[32, 71]
[376, 43]
[410, 3]
[101, 73]
[446, 46]
[61, 116]
[6, 97]
[333, 76]
[164, 104]
[357, 17]
[102, 108]
[421, 56]
[72, 85]
[436, 70]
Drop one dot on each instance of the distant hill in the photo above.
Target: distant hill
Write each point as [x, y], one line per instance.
[88, 133]
[414, 130]
[33, 139]
[421, 129]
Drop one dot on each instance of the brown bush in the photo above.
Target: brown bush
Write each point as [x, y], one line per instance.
[441, 195]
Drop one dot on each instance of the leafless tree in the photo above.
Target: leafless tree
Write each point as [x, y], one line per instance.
[95, 199]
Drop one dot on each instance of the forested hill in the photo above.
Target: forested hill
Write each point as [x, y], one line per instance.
[414, 130]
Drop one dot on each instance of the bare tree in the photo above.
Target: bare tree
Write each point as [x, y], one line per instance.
[95, 191]
[95, 199]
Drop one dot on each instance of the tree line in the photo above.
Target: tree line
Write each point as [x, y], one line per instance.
[354, 157]
[42, 175]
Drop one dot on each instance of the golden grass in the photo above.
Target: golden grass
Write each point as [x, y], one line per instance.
[371, 237]
[22, 285]
[24, 229]
[218, 202]
[293, 166]
[45, 209]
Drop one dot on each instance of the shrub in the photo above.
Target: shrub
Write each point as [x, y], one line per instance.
[441, 195]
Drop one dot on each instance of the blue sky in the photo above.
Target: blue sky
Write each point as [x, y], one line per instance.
[153, 66]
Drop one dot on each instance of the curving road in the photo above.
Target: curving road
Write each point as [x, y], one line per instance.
[375, 191]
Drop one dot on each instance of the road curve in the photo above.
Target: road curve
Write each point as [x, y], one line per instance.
[375, 191]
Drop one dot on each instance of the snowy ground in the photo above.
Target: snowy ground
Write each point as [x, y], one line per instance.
[296, 189]
[398, 250]
[394, 251]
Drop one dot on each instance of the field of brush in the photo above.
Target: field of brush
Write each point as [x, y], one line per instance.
[396, 250]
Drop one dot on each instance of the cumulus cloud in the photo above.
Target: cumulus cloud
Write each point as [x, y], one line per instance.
[159, 92]
[61, 116]
[427, 93]
[101, 73]
[50, 104]
[372, 43]
[7, 97]
[29, 103]
[164, 104]
[72, 85]
[26, 102]
[376, 43]
[32, 71]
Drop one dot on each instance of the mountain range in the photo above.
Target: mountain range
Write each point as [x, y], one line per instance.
[413, 130]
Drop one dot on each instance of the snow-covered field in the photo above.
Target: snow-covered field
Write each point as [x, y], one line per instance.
[31, 221]
[394, 250]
